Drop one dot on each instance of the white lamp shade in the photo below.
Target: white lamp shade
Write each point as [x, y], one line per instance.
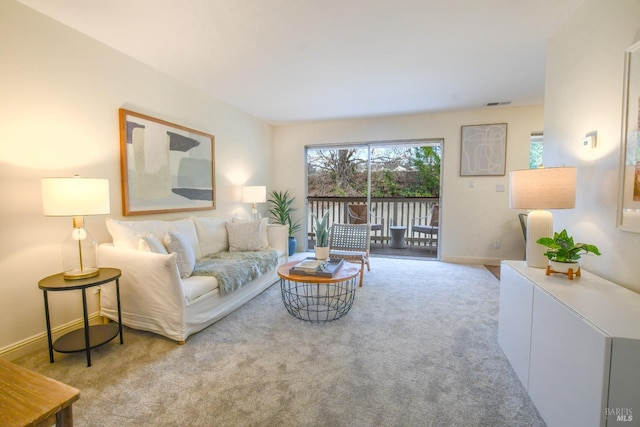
[543, 188]
[75, 196]
[254, 194]
[538, 189]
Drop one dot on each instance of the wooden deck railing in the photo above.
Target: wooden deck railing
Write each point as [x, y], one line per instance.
[387, 211]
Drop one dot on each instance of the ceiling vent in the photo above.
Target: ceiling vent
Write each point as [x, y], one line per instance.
[495, 104]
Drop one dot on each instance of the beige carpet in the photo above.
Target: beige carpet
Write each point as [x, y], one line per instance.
[418, 348]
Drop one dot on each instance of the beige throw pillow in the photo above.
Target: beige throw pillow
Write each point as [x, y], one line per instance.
[264, 222]
[245, 236]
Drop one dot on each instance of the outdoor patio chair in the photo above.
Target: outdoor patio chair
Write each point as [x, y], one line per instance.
[351, 243]
[360, 214]
[419, 225]
[523, 224]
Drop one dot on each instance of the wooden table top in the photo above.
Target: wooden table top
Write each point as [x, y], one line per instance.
[346, 272]
[28, 398]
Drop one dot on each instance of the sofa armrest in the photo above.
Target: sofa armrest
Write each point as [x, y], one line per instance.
[150, 285]
[279, 239]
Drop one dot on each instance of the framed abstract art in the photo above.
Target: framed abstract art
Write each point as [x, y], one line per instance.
[165, 167]
[629, 198]
[483, 150]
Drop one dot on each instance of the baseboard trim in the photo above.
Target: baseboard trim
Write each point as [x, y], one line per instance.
[471, 260]
[39, 341]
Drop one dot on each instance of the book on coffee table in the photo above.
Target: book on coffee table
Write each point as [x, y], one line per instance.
[316, 267]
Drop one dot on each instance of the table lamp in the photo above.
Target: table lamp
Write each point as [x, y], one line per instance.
[538, 189]
[254, 195]
[77, 197]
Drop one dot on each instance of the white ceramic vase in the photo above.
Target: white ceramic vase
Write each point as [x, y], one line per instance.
[322, 252]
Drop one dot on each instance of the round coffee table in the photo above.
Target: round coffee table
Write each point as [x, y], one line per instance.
[318, 299]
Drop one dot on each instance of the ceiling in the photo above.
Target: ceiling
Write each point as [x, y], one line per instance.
[297, 60]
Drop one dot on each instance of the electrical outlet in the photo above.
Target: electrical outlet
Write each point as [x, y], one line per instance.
[496, 244]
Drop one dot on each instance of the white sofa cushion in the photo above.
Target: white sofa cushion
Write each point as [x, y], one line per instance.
[212, 234]
[245, 236]
[196, 286]
[126, 234]
[177, 243]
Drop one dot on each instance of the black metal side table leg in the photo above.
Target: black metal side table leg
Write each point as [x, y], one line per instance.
[119, 311]
[46, 314]
[86, 326]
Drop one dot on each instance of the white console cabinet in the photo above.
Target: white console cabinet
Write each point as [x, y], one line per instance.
[574, 345]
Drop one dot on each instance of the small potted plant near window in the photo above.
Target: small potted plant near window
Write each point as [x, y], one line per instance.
[281, 208]
[321, 229]
[564, 254]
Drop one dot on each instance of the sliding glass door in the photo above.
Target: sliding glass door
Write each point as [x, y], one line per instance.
[388, 184]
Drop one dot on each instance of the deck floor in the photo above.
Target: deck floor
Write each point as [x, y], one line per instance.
[417, 251]
[377, 249]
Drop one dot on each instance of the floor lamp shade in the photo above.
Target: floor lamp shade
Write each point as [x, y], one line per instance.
[77, 197]
[254, 195]
[540, 189]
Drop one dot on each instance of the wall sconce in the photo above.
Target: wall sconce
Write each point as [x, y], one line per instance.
[590, 140]
[254, 195]
[538, 189]
[77, 197]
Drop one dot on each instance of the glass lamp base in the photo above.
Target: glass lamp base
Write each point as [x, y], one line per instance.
[81, 274]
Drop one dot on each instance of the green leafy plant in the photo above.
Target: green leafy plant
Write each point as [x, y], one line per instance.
[321, 228]
[563, 249]
[281, 208]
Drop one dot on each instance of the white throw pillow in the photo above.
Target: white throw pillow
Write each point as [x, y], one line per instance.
[264, 233]
[177, 243]
[212, 234]
[151, 243]
[245, 236]
[127, 233]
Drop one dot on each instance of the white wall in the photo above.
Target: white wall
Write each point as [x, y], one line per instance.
[473, 214]
[584, 79]
[59, 97]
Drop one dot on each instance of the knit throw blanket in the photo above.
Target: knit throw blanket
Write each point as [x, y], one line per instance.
[234, 269]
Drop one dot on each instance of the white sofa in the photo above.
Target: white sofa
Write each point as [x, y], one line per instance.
[159, 293]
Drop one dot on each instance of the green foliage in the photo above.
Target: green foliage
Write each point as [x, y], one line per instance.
[281, 208]
[428, 162]
[387, 184]
[535, 154]
[562, 248]
[321, 228]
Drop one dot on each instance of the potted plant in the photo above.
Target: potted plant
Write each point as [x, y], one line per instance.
[321, 229]
[563, 253]
[281, 208]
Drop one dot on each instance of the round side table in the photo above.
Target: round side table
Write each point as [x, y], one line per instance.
[397, 237]
[90, 336]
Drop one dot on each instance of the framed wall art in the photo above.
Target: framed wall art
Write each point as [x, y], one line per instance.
[165, 167]
[629, 199]
[483, 150]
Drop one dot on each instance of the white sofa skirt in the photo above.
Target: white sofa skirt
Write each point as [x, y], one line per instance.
[154, 298]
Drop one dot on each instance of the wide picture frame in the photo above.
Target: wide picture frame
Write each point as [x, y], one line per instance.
[629, 197]
[165, 167]
[483, 150]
